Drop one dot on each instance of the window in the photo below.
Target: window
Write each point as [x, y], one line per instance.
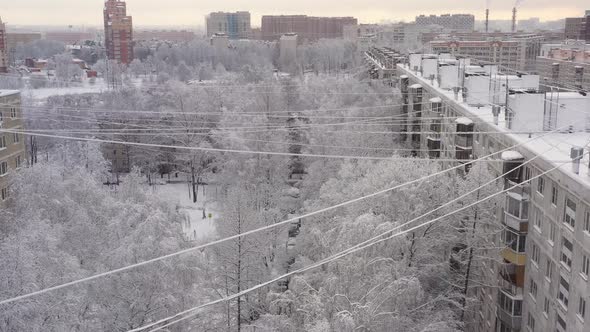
[546, 306]
[554, 195]
[2, 142]
[536, 254]
[585, 265]
[18, 161]
[540, 185]
[4, 194]
[15, 137]
[587, 222]
[527, 173]
[552, 232]
[561, 322]
[570, 213]
[533, 289]
[13, 112]
[582, 308]
[549, 269]
[539, 222]
[567, 250]
[510, 305]
[3, 168]
[531, 322]
[564, 292]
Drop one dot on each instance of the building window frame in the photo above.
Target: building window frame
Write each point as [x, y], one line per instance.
[3, 168]
[540, 185]
[567, 253]
[554, 194]
[581, 308]
[569, 213]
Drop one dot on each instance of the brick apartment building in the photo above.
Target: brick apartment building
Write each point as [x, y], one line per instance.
[118, 27]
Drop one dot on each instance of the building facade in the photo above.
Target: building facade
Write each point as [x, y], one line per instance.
[537, 279]
[235, 25]
[578, 28]
[306, 27]
[118, 30]
[3, 48]
[458, 22]
[517, 53]
[167, 35]
[12, 146]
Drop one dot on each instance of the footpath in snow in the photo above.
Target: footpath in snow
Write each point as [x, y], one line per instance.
[195, 226]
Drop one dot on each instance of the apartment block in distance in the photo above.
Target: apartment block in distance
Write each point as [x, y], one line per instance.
[118, 28]
[538, 277]
[457, 22]
[517, 53]
[235, 25]
[578, 27]
[566, 64]
[306, 27]
[12, 146]
[3, 48]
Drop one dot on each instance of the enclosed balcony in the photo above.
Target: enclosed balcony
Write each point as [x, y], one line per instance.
[509, 309]
[464, 141]
[515, 247]
[516, 212]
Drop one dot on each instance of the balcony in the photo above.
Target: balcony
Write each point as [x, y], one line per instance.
[463, 154]
[510, 288]
[508, 319]
[464, 142]
[517, 224]
[509, 309]
[433, 143]
[521, 189]
[513, 256]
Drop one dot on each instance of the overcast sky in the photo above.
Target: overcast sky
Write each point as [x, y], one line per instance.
[192, 12]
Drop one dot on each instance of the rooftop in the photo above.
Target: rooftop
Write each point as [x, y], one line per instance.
[4, 93]
[553, 148]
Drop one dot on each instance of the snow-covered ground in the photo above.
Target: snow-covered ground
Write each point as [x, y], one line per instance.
[77, 88]
[195, 227]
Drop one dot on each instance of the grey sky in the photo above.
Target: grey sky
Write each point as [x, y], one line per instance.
[192, 12]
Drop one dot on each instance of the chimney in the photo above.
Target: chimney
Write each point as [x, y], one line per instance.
[496, 113]
[487, 20]
[577, 153]
[514, 19]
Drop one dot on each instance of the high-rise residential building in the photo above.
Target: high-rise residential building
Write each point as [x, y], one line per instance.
[12, 146]
[458, 22]
[167, 35]
[235, 25]
[517, 52]
[536, 274]
[578, 27]
[3, 48]
[574, 27]
[306, 27]
[118, 30]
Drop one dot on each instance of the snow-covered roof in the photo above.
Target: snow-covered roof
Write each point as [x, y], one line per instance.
[511, 155]
[403, 76]
[553, 147]
[4, 93]
[435, 100]
[464, 121]
[416, 86]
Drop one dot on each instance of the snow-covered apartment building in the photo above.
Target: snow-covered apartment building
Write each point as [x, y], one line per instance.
[459, 111]
[12, 147]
